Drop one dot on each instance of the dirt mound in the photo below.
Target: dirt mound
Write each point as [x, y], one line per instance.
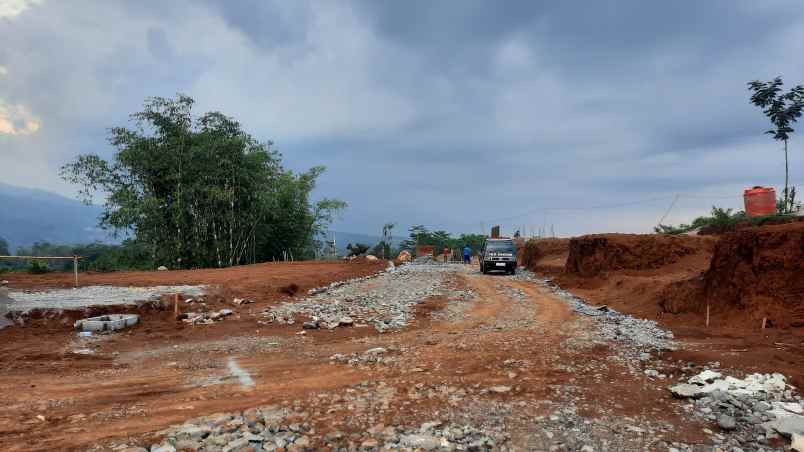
[545, 255]
[760, 271]
[591, 255]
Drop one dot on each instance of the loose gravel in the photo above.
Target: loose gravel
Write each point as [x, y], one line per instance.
[83, 297]
[386, 301]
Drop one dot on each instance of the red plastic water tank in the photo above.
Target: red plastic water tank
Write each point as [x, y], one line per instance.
[760, 201]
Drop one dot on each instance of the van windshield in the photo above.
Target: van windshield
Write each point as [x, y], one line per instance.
[506, 246]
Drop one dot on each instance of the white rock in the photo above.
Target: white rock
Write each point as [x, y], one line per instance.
[705, 377]
[684, 390]
[162, 268]
[797, 443]
[500, 389]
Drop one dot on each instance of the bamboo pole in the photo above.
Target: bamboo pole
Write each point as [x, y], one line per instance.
[707, 315]
[75, 269]
[176, 305]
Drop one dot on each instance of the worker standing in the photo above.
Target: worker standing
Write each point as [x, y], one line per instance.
[467, 254]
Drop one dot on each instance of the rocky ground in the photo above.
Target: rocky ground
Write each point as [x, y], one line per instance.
[441, 357]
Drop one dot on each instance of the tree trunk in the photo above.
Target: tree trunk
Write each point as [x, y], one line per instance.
[787, 206]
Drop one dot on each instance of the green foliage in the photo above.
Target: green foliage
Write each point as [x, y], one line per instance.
[357, 249]
[101, 257]
[38, 268]
[201, 192]
[420, 235]
[719, 218]
[783, 110]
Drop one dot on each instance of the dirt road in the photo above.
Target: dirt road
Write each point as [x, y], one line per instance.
[487, 361]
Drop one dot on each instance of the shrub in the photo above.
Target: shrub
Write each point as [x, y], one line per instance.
[38, 268]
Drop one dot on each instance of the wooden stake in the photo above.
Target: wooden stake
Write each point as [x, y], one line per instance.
[176, 305]
[764, 322]
[707, 315]
[75, 269]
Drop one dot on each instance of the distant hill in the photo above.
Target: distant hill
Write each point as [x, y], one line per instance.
[28, 215]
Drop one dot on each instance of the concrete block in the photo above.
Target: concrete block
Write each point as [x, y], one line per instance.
[112, 322]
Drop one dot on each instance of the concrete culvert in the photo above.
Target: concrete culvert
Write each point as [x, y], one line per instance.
[112, 322]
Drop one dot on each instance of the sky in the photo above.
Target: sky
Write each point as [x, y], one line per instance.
[572, 117]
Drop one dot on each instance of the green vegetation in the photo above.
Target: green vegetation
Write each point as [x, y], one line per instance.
[38, 268]
[720, 220]
[201, 192]
[101, 257]
[420, 235]
[358, 249]
[783, 110]
[4, 247]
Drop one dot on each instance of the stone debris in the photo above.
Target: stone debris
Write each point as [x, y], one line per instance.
[759, 407]
[242, 301]
[162, 268]
[275, 428]
[387, 302]
[206, 318]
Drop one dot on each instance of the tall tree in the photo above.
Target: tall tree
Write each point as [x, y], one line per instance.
[783, 110]
[201, 191]
[4, 247]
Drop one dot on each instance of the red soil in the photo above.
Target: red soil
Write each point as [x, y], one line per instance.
[743, 276]
[260, 282]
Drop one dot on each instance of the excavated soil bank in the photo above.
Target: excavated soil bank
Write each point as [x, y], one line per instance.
[591, 255]
[545, 255]
[746, 276]
[759, 271]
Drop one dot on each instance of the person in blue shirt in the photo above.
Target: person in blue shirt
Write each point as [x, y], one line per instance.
[467, 254]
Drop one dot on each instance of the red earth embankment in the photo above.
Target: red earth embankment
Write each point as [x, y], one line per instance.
[761, 273]
[545, 255]
[744, 276]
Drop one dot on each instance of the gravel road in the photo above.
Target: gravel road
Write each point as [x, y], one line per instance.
[433, 357]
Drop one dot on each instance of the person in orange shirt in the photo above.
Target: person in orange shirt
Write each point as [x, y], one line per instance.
[446, 254]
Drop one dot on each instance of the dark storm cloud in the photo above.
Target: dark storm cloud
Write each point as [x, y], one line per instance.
[447, 113]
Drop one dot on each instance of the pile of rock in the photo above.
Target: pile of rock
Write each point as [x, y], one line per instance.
[264, 428]
[376, 355]
[437, 436]
[754, 410]
[387, 302]
[206, 318]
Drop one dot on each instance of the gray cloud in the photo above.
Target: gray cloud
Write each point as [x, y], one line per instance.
[450, 114]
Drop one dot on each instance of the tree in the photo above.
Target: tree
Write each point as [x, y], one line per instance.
[4, 247]
[387, 239]
[783, 110]
[200, 191]
[357, 249]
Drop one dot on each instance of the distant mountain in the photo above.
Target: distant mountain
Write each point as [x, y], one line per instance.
[28, 215]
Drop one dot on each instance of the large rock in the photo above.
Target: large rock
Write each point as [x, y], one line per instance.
[684, 391]
[425, 442]
[726, 422]
[797, 443]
